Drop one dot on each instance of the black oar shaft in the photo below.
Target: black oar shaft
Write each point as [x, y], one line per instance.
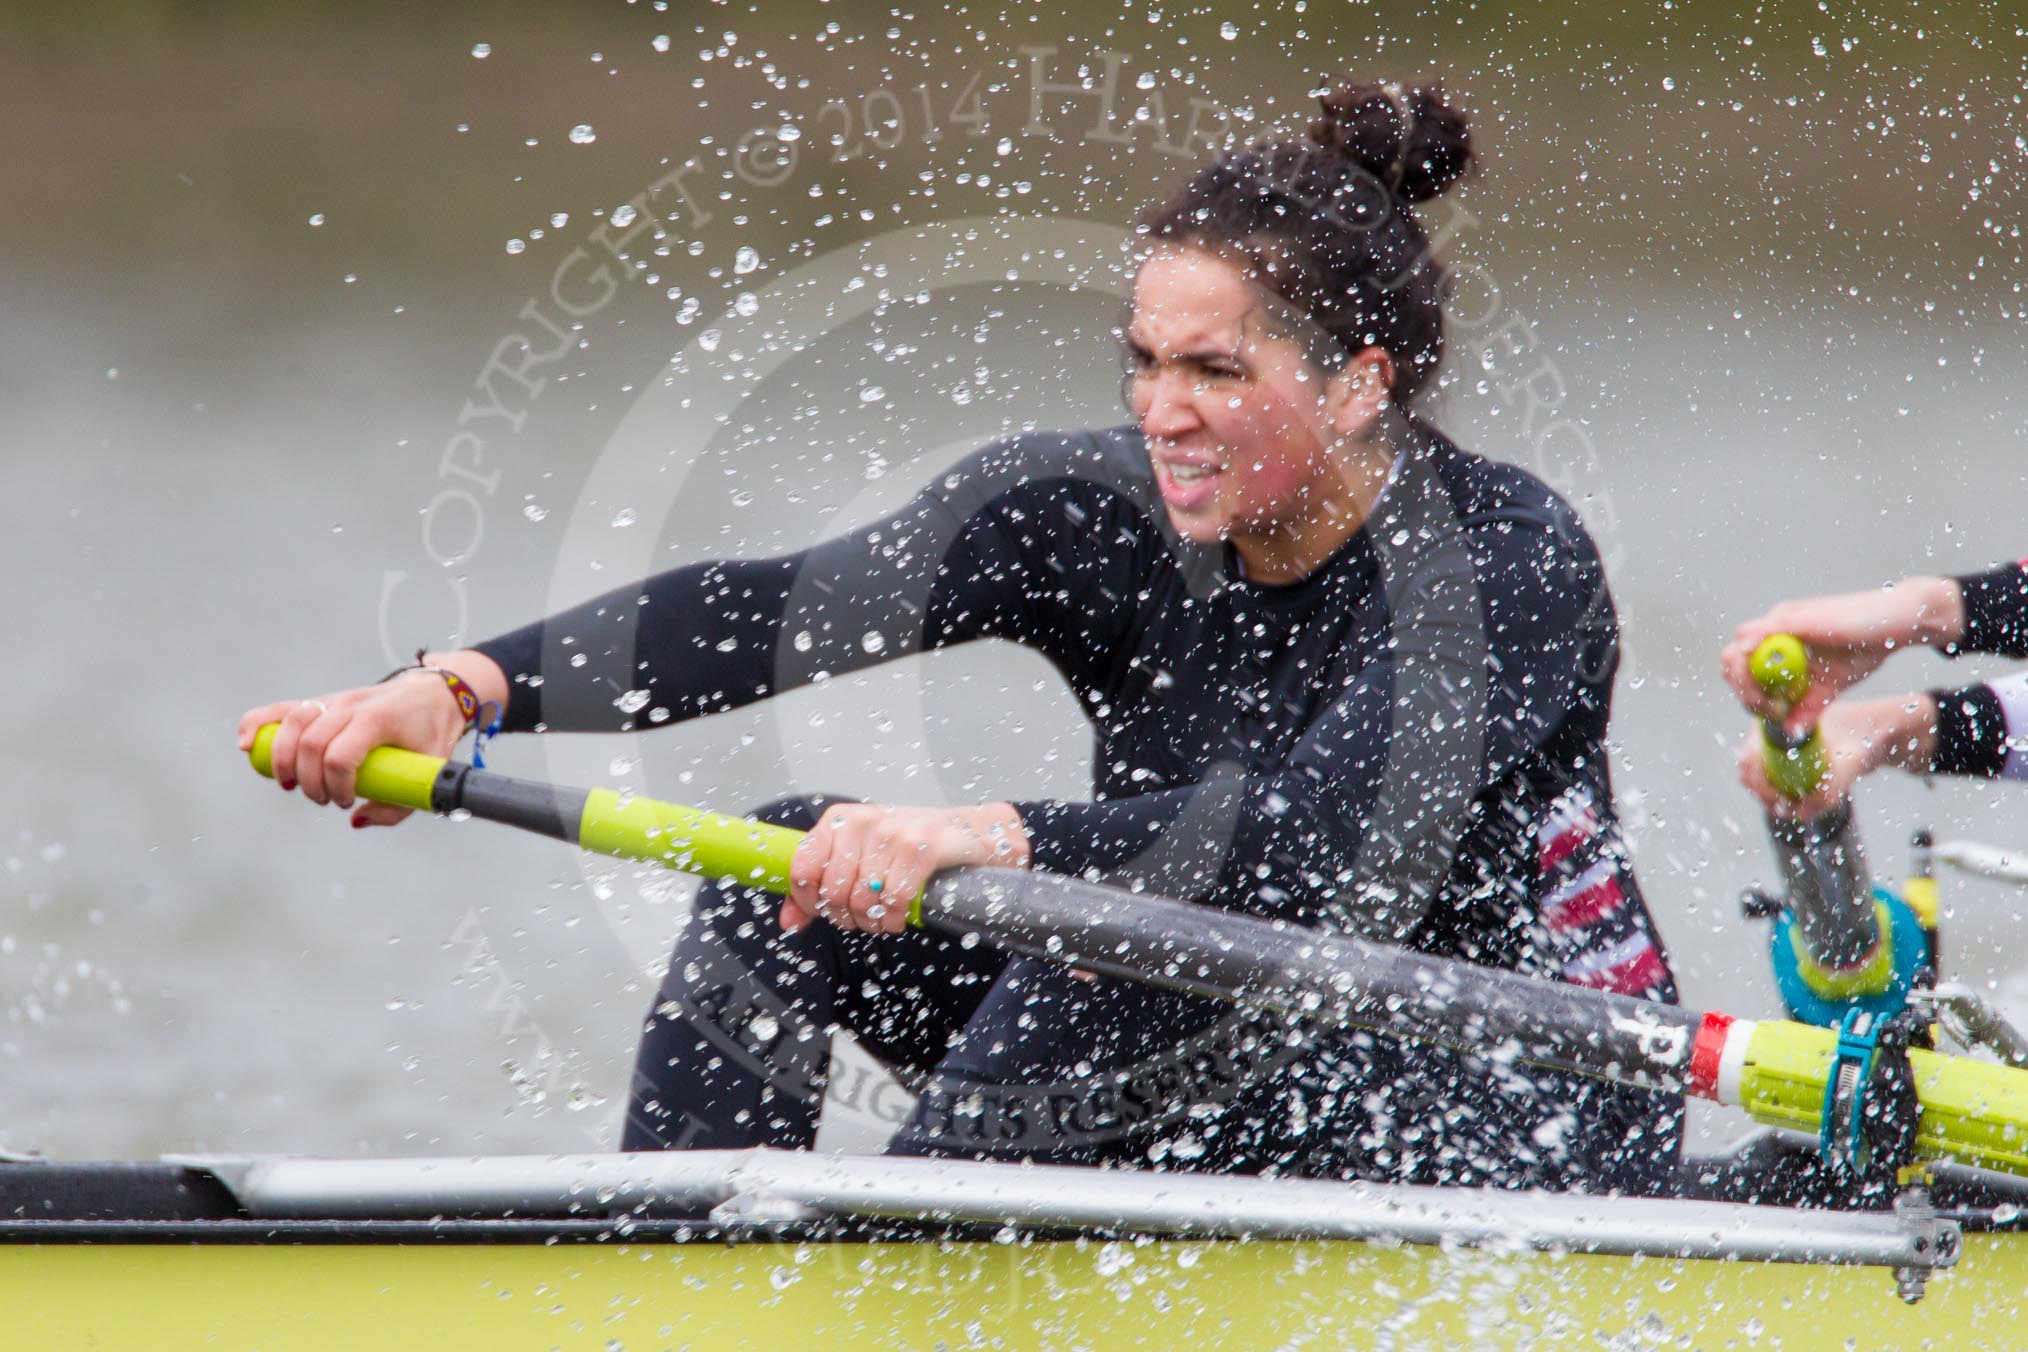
[551, 810]
[1333, 978]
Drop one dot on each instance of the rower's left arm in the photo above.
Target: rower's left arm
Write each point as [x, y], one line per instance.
[1025, 540]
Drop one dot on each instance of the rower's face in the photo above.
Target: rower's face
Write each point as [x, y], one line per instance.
[1235, 416]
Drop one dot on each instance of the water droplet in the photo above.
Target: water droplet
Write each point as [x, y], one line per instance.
[873, 641]
[660, 42]
[582, 134]
[1228, 30]
[746, 260]
[872, 394]
[534, 512]
[764, 1027]
[632, 701]
[624, 518]
[317, 218]
[481, 50]
[623, 214]
[559, 219]
[515, 246]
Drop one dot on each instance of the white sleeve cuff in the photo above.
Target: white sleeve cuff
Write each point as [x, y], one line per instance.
[2013, 693]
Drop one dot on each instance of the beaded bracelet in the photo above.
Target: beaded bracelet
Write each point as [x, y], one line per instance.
[469, 704]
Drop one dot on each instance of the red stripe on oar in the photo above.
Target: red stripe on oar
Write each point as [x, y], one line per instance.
[1705, 1054]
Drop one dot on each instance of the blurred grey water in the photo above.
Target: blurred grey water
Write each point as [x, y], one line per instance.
[210, 484]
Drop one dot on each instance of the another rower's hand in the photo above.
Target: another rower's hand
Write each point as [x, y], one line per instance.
[864, 862]
[322, 741]
[1859, 737]
[1848, 637]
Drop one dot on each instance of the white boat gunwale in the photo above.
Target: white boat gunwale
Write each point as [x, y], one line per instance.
[760, 1195]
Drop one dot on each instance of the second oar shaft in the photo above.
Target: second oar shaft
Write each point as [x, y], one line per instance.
[1336, 979]
[1971, 1111]
[1830, 892]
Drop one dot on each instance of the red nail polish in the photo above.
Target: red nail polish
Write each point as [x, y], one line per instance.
[288, 785]
[359, 823]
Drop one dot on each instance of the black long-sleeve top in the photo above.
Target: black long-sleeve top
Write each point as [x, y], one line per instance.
[1409, 743]
[1980, 727]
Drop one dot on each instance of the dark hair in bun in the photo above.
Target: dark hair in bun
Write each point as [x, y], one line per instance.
[1407, 137]
[1327, 223]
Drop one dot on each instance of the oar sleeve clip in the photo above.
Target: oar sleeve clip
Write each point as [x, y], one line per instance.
[1871, 1111]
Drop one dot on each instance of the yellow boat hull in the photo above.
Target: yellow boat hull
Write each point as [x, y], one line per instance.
[1031, 1294]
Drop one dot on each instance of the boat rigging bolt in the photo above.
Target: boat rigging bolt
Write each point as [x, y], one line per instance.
[1935, 1240]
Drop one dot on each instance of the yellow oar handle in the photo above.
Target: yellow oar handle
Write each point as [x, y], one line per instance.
[688, 839]
[604, 821]
[388, 775]
[1975, 1112]
[1781, 668]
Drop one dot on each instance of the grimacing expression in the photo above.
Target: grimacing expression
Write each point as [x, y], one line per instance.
[1233, 412]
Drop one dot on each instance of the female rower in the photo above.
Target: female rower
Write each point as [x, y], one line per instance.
[1339, 671]
[1974, 730]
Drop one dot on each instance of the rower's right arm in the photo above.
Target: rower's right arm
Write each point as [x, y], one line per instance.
[322, 741]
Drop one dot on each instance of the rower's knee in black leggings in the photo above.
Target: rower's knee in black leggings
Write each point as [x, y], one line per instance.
[731, 918]
[736, 1051]
[733, 1048]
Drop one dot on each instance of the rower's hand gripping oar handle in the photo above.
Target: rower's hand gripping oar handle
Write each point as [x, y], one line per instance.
[604, 821]
[1795, 766]
[388, 775]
